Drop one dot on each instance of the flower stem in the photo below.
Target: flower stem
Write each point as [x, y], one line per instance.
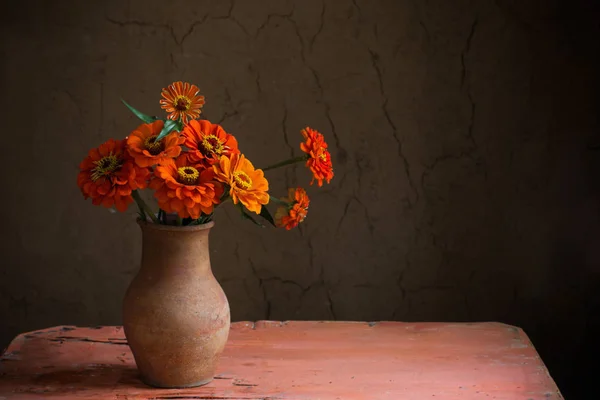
[279, 201]
[287, 162]
[143, 206]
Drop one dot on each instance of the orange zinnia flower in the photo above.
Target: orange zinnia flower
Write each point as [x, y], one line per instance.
[247, 185]
[319, 159]
[109, 174]
[292, 215]
[208, 142]
[182, 101]
[146, 151]
[185, 188]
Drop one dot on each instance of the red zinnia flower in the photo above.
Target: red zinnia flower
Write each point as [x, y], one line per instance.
[109, 174]
[293, 214]
[185, 188]
[207, 142]
[142, 145]
[182, 101]
[319, 160]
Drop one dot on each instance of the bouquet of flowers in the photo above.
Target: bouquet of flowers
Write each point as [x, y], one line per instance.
[193, 166]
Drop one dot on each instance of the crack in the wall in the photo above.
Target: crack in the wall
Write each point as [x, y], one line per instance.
[464, 78]
[344, 213]
[355, 4]
[229, 11]
[359, 170]
[203, 19]
[430, 287]
[268, 20]
[287, 142]
[284, 130]
[263, 289]
[425, 30]
[143, 24]
[400, 284]
[370, 225]
[289, 17]
[236, 253]
[468, 154]
[320, 29]
[396, 137]
[171, 30]
[466, 86]
[168, 27]
[368, 220]
[417, 10]
[312, 260]
[288, 282]
[465, 52]
[257, 81]
[191, 30]
[334, 189]
[331, 307]
[341, 151]
[230, 17]
[228, 114]
[173, 62]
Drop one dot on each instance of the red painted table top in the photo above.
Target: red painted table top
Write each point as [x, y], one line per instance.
[293, 360]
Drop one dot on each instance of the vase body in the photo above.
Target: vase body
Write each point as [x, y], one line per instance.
[175, 314]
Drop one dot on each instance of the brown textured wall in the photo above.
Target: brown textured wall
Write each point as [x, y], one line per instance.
[460, 133]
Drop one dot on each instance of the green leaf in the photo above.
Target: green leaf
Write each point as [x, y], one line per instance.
[225, 194]
[247, 216]
[146, 118]
[264, 212]
[169, 127]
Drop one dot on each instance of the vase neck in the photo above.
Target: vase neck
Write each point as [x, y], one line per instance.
[175, 251]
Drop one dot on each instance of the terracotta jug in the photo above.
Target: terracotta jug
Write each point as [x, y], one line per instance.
[175, 313]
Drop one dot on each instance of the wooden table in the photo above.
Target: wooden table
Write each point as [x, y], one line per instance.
[293, 360]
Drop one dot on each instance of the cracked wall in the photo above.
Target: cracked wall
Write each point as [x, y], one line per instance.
[462, 136]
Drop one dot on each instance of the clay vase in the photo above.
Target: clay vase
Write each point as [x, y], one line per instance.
[175, 313]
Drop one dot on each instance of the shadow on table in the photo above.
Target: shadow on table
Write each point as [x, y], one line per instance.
[93, 376]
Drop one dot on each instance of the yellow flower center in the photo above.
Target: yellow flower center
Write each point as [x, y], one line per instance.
[182, 103]
[323, 157]
[188, 175]
[153, 146]
[242, 180]
[212, 145]
[105, 166]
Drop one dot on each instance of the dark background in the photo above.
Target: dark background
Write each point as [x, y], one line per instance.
[464, 136]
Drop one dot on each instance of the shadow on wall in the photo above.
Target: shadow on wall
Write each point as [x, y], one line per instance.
[569, 314]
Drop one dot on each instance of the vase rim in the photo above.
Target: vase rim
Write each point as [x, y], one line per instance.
[175, 228]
